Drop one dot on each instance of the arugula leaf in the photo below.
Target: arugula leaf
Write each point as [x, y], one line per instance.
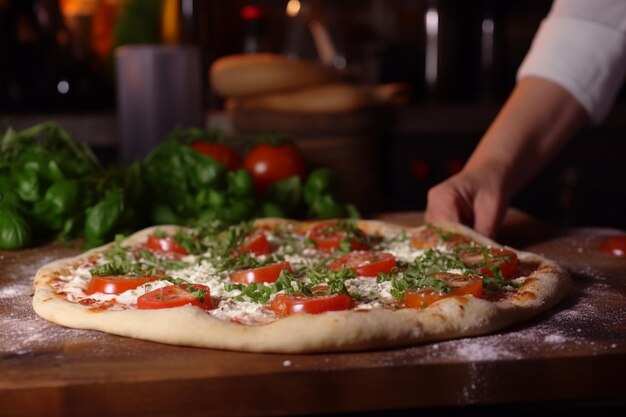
[313, 281]
[256, 291]
[497, 282]
[121, 260]
[420, 274]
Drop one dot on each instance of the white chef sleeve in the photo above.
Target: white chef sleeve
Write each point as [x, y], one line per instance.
[584, 51]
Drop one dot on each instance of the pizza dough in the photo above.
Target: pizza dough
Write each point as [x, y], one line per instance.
[542, 284]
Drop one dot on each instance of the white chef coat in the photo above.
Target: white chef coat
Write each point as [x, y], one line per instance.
[581, 45]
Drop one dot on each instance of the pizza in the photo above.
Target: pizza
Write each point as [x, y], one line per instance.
[278, 285]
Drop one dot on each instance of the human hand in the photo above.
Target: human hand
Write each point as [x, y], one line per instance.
[537, 120]
[476, 197]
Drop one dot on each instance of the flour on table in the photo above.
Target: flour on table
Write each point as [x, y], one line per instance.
[21, 330]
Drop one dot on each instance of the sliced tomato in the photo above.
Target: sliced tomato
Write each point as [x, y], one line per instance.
[462, 285]
[422, 298]
[615, 245]
[284, 305]
[328, 236]
[176, 296]
[115, 284]
[223, 154]
[165, 244]
[485, 261]
[319, 289]
[366, 264]
[267, 273]
[255, 243]
[429, 237]
[465, 285]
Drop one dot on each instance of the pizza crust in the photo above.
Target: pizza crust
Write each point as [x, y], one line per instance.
[449, 318]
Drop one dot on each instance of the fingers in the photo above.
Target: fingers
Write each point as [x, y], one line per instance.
[489, 211]
[474, 199]
[447, 203]
[441, 206]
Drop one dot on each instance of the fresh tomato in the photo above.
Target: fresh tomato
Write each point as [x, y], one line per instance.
[267, 273]
[366, 264]
[429, 237]
[284, 305]
[465, 285]
[615, 245]
[270, 163]
[223, 154]
[486, 260]
[176, 296]
[422, 298]
[328, 236]
[461, 284]
[165, 244]
[115, 284]
[255, 243]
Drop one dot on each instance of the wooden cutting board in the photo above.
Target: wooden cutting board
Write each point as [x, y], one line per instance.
[577, 351]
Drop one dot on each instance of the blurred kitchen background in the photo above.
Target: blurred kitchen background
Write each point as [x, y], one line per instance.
[456, 60]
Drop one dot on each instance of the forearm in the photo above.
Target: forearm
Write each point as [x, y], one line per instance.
[536, 121]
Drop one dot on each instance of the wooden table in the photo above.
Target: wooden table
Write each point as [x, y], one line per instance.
[574, 353]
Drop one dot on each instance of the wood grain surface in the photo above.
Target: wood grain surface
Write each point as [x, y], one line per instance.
[575, 352]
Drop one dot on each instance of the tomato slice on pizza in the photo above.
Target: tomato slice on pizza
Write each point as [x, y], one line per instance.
[465, 285]
[333, 235]
[365, 264]
[284, 305]
[267, 273]
[116, 284]
[255, 243]
[455, 285]
[177, 296]
[488, 260]
[431, 237]
[165, 244]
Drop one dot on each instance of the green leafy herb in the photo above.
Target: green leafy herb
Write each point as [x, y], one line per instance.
[312, 281]
[14, 231]
[256, 292]
[61, 190]
[420, 274]
[330, 282]
[349, 232]
[286, 193]
[497, 282]
[121, 260]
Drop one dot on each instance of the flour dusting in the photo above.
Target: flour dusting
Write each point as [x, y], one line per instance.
[476, 351]
[21, 330]
[555, 338]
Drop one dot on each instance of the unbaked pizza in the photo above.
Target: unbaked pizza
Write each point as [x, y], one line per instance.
[277, 285]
